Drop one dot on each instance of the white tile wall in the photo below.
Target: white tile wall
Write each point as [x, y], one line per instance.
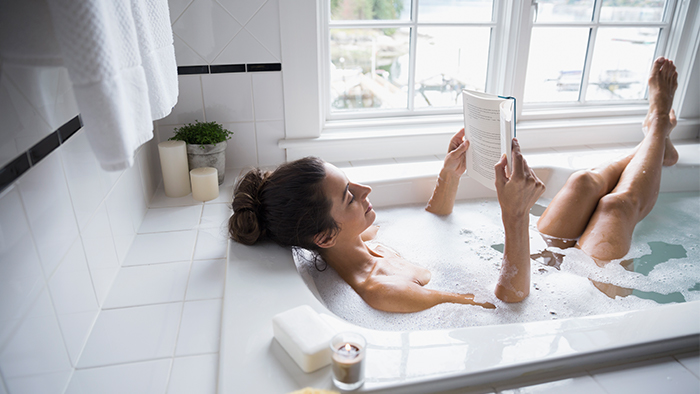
[228, 97]
[206, 27]
[51, 219]
[249, 104]
[65, 227]
[190, 106]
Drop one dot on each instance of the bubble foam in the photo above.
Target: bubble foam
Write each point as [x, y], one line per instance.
[462, 253]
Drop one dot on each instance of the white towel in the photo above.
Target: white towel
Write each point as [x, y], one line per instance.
[121, 61]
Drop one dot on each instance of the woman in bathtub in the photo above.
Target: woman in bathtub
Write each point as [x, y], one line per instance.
[311, 204]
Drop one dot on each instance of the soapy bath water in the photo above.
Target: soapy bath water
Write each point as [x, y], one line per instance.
[463, 252]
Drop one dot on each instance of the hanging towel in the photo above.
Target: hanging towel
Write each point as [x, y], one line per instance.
[121, 61]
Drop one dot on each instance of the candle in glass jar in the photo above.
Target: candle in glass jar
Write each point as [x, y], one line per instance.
[347, 360]
[173, 164]
[205, 183]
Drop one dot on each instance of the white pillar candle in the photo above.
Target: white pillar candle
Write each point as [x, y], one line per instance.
[205, 183]
[173, 164]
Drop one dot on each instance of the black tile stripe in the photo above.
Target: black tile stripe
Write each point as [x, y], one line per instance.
[42, 148]
[228, 68]
[69, 128]
[13, 170]
[185, 70]
[264, 67]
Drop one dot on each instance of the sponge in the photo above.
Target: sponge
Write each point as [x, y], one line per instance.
[305, 337]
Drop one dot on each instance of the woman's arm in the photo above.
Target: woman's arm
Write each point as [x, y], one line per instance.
[517, 193]
[443, 198]
[391, 294]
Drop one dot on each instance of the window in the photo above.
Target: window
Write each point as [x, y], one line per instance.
[381, 80]
[396, 57]
[590, 51]
[401, 57]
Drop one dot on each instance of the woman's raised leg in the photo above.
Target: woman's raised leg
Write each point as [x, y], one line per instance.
[567, 216]
[609, 232]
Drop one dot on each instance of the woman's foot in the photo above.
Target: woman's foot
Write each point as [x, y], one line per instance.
[663, 81]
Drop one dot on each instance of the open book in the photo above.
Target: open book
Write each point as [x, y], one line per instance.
[489, 125]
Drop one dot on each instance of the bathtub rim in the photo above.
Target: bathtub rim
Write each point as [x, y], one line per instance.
[262, 352]
[645, 346]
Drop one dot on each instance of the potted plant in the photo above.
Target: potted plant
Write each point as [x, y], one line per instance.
[206, 145]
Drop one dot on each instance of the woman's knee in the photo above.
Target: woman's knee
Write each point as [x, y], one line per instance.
[621, 205]
[588, 182]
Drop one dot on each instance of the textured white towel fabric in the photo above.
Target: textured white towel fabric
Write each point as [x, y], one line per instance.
[121, 61]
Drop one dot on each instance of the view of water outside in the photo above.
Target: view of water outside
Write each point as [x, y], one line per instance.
[621, 59]
[370, 66]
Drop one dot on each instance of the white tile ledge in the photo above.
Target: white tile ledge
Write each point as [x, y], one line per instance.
[356, 140]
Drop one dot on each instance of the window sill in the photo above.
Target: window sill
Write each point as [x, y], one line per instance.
[398, 138]
[412, 182]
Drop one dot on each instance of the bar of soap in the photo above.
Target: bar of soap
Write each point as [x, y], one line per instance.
[305, 337]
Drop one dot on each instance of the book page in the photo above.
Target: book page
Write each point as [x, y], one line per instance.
[482, 127]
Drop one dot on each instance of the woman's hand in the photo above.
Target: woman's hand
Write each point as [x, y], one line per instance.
[456, 159]
[518, 191]
[443, 198]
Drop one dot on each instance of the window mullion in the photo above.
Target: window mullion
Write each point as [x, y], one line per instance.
[518, 50]
[589, 51]
[413, 43]
[587, 64]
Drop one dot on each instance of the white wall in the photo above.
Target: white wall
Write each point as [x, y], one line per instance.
[65, 227]
[250, 103]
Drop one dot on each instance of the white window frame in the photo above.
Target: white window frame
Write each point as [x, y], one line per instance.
[309, 131]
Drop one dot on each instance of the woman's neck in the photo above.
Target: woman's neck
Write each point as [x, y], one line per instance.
[353, 260]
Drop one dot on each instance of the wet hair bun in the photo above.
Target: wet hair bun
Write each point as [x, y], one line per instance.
[245, 225]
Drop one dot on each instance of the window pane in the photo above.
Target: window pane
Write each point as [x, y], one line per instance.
[369, 68]
[632, 10]
[555, 64]
[564, 11]
[454, 10]
[370, 9]
[616, 77]
[449, 59]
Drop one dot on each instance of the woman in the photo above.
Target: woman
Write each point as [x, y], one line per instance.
[311, 204]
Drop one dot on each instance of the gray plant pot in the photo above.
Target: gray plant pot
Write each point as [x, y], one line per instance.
[208, 155]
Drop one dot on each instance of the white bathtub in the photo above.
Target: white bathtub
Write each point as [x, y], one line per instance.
[262, 281]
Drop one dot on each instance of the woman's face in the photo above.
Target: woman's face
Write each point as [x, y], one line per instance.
[351, 209]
